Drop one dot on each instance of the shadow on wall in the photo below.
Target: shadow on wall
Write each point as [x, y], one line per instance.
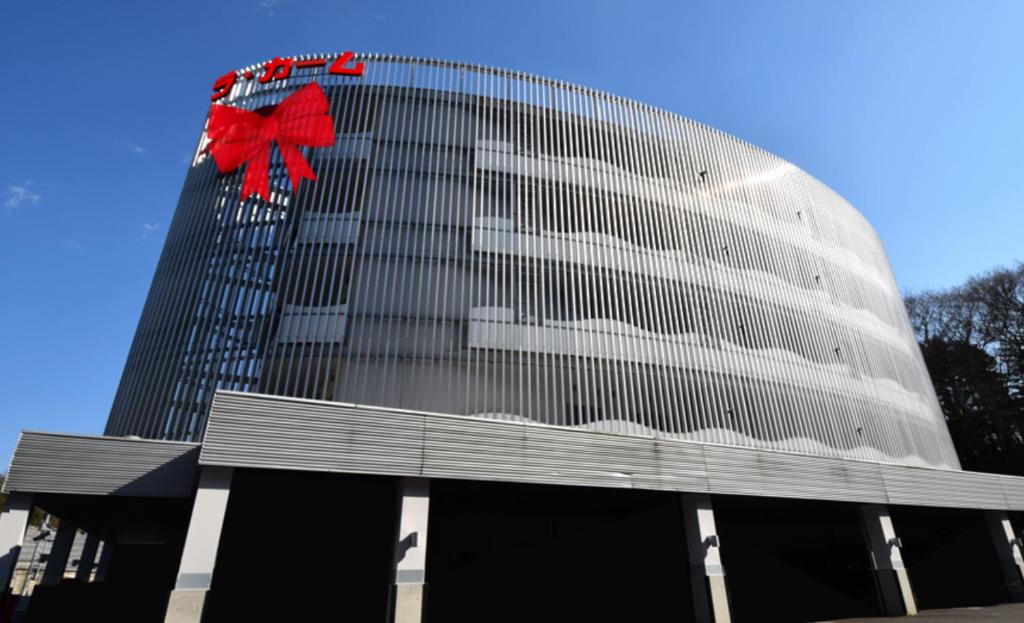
[950, 557]
[793, 560]
[136, 590]
[510, 552]
[304, 547]
[147, 534]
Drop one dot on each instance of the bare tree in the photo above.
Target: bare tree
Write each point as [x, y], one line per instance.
[972, 339]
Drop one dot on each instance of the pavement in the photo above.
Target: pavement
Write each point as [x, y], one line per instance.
[989, 614]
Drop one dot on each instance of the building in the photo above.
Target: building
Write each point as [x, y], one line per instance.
[572, 331]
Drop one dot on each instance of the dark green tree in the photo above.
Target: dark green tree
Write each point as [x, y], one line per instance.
[972, 340]
[984, 419]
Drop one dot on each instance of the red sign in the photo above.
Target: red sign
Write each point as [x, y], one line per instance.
[281, 68]
[238, 136]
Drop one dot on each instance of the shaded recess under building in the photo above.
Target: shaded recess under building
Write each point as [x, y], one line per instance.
[795, 560]
[337, 532]
[522, 350]
[951, 555]
[547, 553]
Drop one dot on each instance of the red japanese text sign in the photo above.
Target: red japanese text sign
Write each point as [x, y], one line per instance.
[281, 68]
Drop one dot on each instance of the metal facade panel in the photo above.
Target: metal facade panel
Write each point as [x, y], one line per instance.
[776, 474]
[680, 466]
[1013, 490]
[485, 243]
[264, 432]
[457, 448]
[486, 449]
[608, 460]
[954, 489]
[83, 465]
[257, 431]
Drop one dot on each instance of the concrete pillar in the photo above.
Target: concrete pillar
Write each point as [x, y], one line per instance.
[1009, 551]
[195, 573]
[707, 577]
[13, 522]
[104, 564]
[88, 557]
[890, 574]
[410, 559]
[57, 561]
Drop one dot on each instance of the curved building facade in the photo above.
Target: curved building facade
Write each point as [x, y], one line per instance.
[487, 243]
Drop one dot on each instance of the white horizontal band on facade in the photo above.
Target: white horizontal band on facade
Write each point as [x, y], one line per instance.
[498, 328]
[499, 235]
[594, 174]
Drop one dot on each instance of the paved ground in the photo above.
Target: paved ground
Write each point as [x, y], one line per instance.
[991, 614]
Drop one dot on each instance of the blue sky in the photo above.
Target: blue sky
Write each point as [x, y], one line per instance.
[912, 110]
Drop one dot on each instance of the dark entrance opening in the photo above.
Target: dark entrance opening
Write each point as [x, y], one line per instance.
[950, 557]
[512, 552]
[794, 560]
[146, 537]
[304, 547]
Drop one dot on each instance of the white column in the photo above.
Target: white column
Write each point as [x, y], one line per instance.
[890, 573]
[707, 577]
[1009, 551]
[410, 559]
[88, 557]
[13, 522]
[106, 553]
[195, 573]
[57, 561]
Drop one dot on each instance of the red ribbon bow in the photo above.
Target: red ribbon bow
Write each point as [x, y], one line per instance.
[240, 136]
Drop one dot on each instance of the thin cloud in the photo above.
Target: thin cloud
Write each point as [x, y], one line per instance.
[137, 149]
[74, 244]
[268, 7]
[18, 195]
[147, 229]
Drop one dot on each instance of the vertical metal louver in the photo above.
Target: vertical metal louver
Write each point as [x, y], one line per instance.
[484, 242]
